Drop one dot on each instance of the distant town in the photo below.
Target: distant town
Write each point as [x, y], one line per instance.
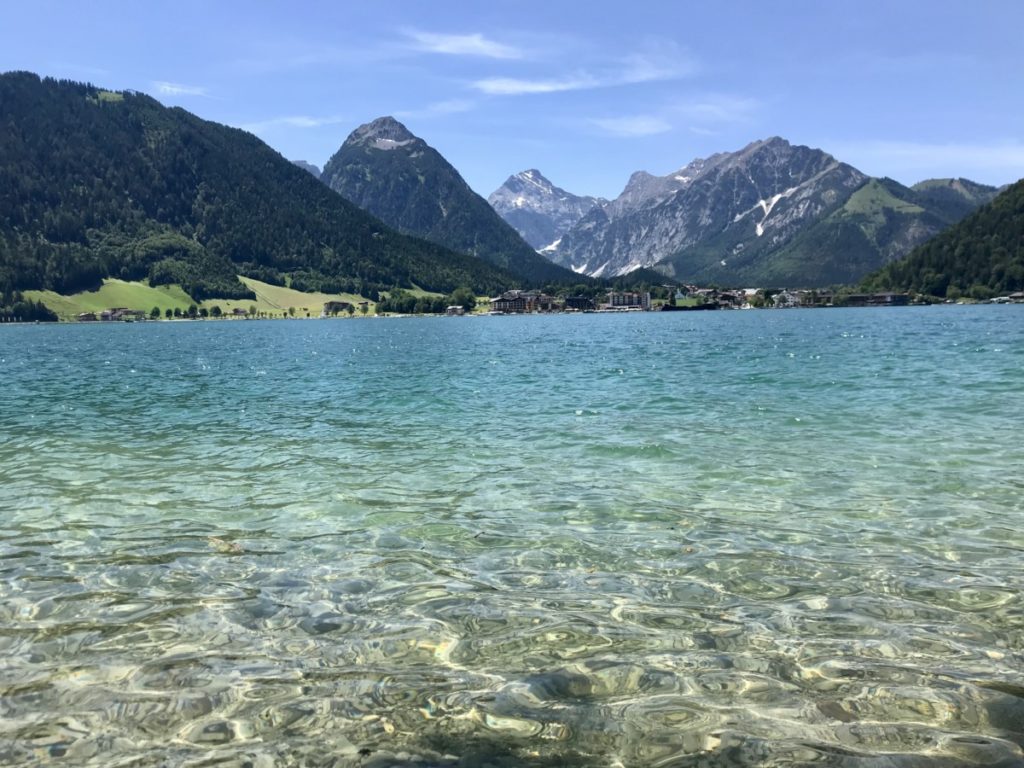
[523, 302]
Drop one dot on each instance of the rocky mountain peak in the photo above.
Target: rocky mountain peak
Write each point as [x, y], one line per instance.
[537, 209]
[382, 133]
[643, 189]
[529, 182]
[418, 192]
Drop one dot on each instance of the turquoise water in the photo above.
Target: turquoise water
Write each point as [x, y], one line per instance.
[707, 539]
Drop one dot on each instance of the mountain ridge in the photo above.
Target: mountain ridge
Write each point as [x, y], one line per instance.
[540, 211]
[979, 257]
[97, 183]
[758, 216]
[397, 176]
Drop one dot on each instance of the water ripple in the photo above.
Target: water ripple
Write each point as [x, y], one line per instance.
[743, 539]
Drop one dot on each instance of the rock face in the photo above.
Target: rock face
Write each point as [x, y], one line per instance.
[537, 209]
[386, 170]
[307, 167]
[770, 214]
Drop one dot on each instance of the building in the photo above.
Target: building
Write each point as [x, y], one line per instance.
[120, 313]
[520, 302]
[456, 310]
[510, 302]
[626, 300]
[877, 300]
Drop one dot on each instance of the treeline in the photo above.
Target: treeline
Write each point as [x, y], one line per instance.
[981, 257]
[402, 302]
[15, 308]
[416, 191]
[95, 184]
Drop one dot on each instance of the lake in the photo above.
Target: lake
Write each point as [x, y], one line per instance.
[667, 539]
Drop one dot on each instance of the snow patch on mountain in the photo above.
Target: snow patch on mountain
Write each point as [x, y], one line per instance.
[538, 210]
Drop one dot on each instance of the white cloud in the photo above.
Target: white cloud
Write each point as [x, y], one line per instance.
[177, 89]
[511, 86]
[661, 62]
[702, 114]
[291, 121]
[462, 45]
[630, 127]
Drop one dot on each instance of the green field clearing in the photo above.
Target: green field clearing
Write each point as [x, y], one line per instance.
[871, 199]
[114, 293]
[276, 299]
[270, 300]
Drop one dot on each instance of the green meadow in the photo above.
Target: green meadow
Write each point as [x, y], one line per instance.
[273, 300]
[114, 293]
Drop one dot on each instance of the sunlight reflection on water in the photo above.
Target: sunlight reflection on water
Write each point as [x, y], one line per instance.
[775, 538]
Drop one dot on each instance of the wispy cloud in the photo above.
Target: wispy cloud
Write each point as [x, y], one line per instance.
[178, 89]
[292, 121]
[632, 127]
[701, 115]
[462, 45]
[512, 86]
[438, 109]
[661, 62]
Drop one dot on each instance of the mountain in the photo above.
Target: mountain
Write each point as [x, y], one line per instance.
[880, 222]
[308, 167]
[770, 214]
[955, 197]
[386, 170]
[980, 257]
[538, 210]
[97, 184]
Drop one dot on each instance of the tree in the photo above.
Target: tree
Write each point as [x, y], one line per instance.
[169, 313]
[177, 311]
[364, 308]
[192, 311]
[291, 311]
[204, 312]
[462, 297]
[252, 310]
[154, 313]
[216, 310]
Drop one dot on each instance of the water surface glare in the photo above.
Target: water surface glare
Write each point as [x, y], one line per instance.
[710, 539]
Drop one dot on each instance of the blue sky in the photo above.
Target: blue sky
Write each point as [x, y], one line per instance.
[587, 92]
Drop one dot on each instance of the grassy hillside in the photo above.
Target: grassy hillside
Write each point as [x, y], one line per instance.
[879, 223]
[981, 257]
[270, 299]
[114, 293]
[97, 185]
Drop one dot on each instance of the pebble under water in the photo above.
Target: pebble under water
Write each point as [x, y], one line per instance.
[790, 538]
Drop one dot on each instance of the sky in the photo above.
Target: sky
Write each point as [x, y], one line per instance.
[586, 92]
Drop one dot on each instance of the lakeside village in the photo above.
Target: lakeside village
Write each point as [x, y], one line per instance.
[521, 302]
[529, 302]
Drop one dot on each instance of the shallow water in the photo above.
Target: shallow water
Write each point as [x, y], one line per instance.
[708, 539]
